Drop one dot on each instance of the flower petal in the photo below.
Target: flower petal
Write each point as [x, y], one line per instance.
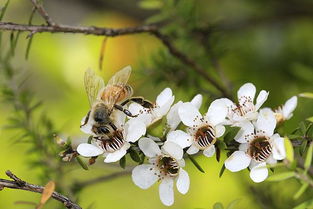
[271, 160]
[246, 128]
[117, 155]
[144, 176]
[173, 149]
[134, 129]
[266, 121]
[141, 112]
[160, 111]
[259, 172]
[179, 137]
[87, 128]
[197, 101]
[172, 116]
[89, 150]
[189, 114]
[193, 149]
[279, 152]
[149, 147]
[219, 130]
[183, 181]
[209, 152]
[289, 107]
[166, 191]
[246, 90]
[239, 160]
[164, 97]
[217, 111]
[262, 97]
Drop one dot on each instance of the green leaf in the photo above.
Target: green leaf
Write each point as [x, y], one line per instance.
[308, 95]
[310, 119]
[230, 135]
[302, 128]
[218, 205]
[303, 147]
[305, 205]
[196, 164]
[281, 176]
[81, 163]
[134, 155]
[123, 162]
[29, 43]
[301, 191]
[232, 204]
[294, 136]
[308, 158]
[289, 149]
[150, 4]
[3, 9]
[222, 171]
[89, 139]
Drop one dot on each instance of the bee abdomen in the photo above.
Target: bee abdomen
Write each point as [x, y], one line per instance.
[112, 143]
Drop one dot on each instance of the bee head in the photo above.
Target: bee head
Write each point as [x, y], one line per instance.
[101, 115]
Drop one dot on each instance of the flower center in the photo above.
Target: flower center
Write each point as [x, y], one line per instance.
[113, 142]
[260, 149]
[245, 106]
[168, 165]
[205, 137]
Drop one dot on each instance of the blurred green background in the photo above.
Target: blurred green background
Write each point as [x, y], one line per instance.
[268, 43]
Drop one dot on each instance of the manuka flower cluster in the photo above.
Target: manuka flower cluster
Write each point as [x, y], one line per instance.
[118, 123]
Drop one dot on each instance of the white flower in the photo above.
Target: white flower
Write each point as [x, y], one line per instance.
[114, 145]
[162, 105]
[164, 165]
[245, 109]
[173, 119]
[202, 131]
[259, 145]
[285, 111]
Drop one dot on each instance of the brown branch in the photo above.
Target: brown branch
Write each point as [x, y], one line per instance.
[188, 61]
[43, 13]
[112, 32]
[19, 184]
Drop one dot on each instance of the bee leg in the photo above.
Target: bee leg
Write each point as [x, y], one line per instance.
[119, 107]
[113, 126]
[86, 119]
[139, 100]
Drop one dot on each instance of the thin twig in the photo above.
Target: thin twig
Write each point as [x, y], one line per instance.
[102, 179]
[112, 32]
[41, 10]
[19, 184]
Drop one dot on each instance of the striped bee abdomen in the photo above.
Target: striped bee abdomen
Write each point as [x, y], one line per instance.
[260, 149]
[205, 137]
[113, 142]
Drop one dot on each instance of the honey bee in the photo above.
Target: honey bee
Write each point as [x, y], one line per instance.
[104, 100]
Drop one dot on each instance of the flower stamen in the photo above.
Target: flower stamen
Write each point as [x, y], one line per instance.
[205, 137]
[168, 166]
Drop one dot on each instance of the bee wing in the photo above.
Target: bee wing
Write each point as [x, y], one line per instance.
[93, 84]
[121, 77]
